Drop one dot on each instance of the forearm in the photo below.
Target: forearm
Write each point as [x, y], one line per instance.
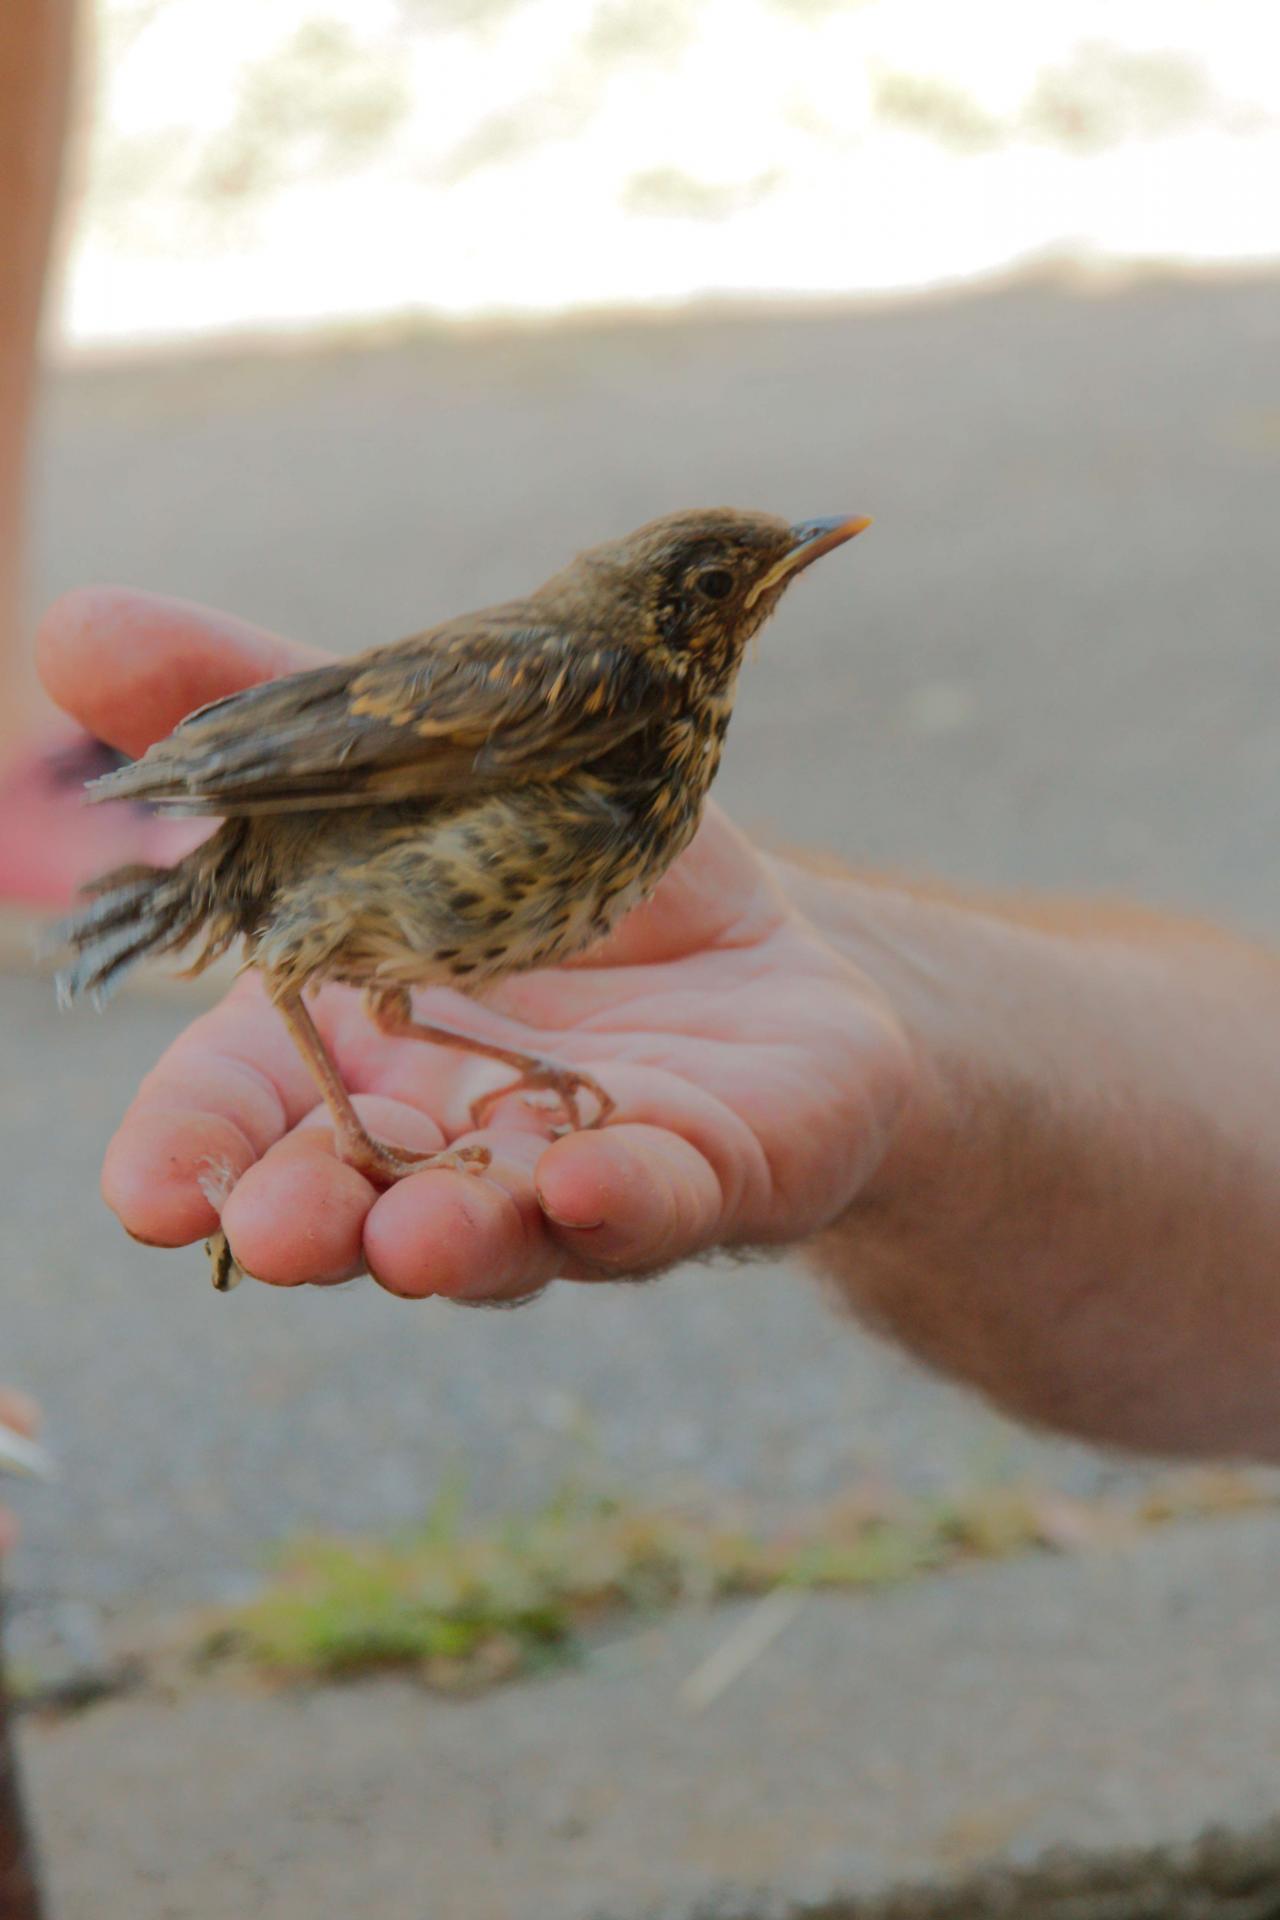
[1081, 1212]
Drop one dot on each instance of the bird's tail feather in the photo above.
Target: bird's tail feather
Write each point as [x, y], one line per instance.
[135, 913]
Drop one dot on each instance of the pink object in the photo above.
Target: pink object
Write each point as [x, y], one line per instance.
[52, 842]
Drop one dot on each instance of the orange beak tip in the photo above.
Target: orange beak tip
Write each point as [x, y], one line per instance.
[812, 538]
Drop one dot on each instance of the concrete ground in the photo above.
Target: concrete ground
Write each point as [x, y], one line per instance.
[1041, 1741]
[1050, 663]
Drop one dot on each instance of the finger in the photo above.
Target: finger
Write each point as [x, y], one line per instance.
[666, 1182]
[298, 1214]
[232, 1086]
[629, 1199]
[465, 1237]
[227, 1089]
[128, 666]
[164, 1173]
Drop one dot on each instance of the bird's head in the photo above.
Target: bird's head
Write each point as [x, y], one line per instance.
[695, 586]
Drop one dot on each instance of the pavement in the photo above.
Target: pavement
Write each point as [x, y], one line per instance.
[1049, 664]
[1084, 1739]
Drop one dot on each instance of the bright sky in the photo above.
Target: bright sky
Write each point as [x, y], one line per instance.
[287, 162]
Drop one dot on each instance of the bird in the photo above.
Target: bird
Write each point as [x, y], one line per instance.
[485, 798]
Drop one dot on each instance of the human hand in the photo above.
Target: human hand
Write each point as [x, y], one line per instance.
[758, 1075]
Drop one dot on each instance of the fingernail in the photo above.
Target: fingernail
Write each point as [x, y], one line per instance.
[140, 1239]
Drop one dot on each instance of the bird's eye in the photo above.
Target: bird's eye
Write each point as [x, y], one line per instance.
[715, 583]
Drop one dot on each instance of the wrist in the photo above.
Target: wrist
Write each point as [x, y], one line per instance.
[874, 929]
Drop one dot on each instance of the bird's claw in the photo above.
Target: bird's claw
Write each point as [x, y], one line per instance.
[225, 1270]
[378, 1162]
[385, 1165]
[550, 1077]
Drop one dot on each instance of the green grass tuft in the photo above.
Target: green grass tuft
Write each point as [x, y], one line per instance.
[466, 1607]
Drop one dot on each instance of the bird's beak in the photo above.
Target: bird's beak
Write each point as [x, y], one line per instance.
[810, 539]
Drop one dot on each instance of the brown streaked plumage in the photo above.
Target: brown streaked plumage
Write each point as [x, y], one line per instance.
[481, 799]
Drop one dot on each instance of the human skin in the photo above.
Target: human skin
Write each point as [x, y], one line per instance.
[35, 77]
[1034, 1142]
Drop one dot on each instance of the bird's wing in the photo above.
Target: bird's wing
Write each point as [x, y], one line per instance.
[470, 704]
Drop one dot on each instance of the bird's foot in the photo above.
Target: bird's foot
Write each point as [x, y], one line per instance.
[225, 1270]
[391, 1011]
[378, 1162]
[550, 1076]
[384, 1164]
[375, 1159]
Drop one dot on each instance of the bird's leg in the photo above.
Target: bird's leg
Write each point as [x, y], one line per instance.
[391, 1010]
[356, 1145]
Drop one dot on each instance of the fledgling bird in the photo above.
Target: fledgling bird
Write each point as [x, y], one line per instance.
[484, 798]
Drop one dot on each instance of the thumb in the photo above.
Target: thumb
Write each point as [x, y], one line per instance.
[128, 666]
[719, 893]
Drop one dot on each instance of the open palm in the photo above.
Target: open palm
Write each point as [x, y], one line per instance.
[757, 1074]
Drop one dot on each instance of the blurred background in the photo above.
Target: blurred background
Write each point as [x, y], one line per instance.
[279, 162]
[368, 313]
